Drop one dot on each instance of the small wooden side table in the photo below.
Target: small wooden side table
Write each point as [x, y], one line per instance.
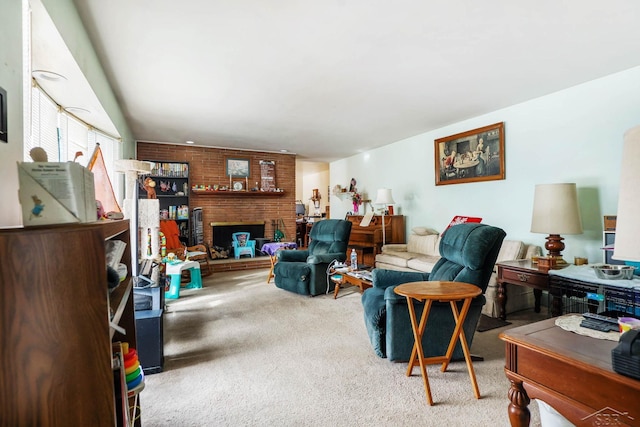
[444, 292]
[521, 272]
[346, 278]
[271, 249]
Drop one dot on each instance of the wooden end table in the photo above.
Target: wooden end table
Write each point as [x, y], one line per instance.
[523, 273]
[429, 292]
[345, 278]
[271, 249]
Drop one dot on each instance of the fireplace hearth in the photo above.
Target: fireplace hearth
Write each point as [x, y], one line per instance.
[222, 232]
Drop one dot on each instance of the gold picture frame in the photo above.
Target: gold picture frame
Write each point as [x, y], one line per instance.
[472, 156]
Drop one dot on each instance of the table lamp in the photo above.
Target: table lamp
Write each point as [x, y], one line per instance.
[385, 199]
[555, 212]
[627, 243]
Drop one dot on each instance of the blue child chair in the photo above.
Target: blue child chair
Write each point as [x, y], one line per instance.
[242, 245]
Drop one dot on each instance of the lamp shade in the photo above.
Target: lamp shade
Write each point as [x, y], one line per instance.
[555, 209]
[384, 197]
[627, 244]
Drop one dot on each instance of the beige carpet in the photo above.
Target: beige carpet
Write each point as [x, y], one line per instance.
[240, 352]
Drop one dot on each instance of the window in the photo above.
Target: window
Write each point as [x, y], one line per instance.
[62, 136]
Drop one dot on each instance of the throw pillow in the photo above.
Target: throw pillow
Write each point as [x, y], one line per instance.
[423, 231]
[461, 220]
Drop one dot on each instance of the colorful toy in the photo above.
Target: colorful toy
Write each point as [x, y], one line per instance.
[149, 187]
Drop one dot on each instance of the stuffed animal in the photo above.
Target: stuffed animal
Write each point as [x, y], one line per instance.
[149, 187]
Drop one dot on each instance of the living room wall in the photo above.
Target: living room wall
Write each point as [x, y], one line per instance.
[11, 72]
[574, 135]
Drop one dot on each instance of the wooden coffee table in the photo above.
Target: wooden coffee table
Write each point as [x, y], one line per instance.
[346, 278]
[572, 373]
[429, 292]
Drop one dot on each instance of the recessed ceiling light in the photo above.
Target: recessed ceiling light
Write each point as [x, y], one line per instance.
[284, 151]
[190, 142]
[47, 75]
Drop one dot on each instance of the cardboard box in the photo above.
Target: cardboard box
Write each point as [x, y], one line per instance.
[55, 193]
[610, 222]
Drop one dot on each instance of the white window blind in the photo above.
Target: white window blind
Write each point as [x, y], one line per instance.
[62, 136]
[44, 126]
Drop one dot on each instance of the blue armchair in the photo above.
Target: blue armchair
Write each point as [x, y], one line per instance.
[242, 245]
[305, 271]
[469, 252]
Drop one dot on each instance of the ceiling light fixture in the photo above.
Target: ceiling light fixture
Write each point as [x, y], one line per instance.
[284, 151]
[76, 110]
[190, 142]
[47, 75]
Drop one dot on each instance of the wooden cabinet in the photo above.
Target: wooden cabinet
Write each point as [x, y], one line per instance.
[55, 334]
[172, 190]
[370, 239]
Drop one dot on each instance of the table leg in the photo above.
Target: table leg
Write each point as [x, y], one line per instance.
[337, 288]
[418, 331]
[273, 263]
[519, 414]
[537, 294]
[502, 301]
[458, 333]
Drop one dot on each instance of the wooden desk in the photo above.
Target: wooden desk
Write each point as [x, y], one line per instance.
[523, 273]
[439, 291]
[570, 372]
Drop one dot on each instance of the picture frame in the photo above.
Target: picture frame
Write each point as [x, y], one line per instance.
[238, 168]
[4, 137]
[471, 156]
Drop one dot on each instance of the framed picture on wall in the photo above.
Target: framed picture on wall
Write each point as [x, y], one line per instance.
[3, 116]
[238, 168]
[472, 156]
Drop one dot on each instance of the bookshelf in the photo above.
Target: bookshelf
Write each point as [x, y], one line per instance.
[55, 331]
[172, 190]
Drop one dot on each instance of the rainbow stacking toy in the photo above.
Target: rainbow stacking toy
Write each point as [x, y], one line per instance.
[132, 368]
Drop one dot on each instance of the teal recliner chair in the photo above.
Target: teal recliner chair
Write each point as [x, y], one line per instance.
[305, 271]
[469, 252]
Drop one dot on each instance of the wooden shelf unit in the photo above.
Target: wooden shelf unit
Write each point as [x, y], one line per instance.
[237, 193]
[54, 328]
[172, 173]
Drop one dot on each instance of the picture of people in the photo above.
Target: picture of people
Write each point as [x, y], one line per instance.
[476, 155]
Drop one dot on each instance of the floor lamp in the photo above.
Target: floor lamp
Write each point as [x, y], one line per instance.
[385, 199]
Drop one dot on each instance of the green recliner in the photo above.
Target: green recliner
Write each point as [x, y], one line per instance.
[469, 252]
[305, 271]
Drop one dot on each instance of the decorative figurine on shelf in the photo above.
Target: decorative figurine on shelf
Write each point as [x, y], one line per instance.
[352, 186]
[315, 198]
[149, 187]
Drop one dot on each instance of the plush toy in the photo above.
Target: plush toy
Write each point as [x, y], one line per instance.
[149, 187]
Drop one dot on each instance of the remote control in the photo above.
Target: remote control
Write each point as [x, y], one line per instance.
[600, 317]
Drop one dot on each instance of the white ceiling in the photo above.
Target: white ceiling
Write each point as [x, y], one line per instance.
[328, 79]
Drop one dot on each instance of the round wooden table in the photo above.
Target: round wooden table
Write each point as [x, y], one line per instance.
[429, 292]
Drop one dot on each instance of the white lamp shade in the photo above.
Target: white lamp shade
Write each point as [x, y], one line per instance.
[555, 209]
[384, 197]
[627, 243]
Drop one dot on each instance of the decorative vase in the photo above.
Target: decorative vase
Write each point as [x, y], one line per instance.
[356, 207]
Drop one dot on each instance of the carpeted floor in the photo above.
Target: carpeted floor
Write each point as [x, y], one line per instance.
[240, 352]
